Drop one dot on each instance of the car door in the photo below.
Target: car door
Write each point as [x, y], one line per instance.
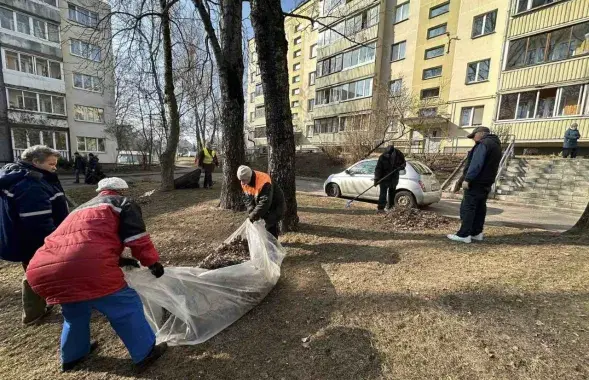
[361, 178]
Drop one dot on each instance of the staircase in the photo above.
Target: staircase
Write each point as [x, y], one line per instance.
[548, 183]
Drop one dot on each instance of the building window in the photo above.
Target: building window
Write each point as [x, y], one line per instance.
[297, 40]
[436, 31]
[252, 116]
[296, 91]
[259, 112]
[297, 53]
[354, 123]
[546, 103]
[396, 87]
[311, 78]
[555, 45]
[50, 2]
[428, 112]
[36, 102]
[478, 71]
[299, 27]
[259, 90]
[350, 26]
[351, 58]
[398, 51]
[294, 103]
[91, 144]
[252, 77]
[85, 50]
[402, 12]
[313, 52]
[87, 82]
[434, 52]
[41, 29]
[526, 5]
[296, 67]
[429, 93]
[310, 105]
[32, 65]
[7, 19]
[439, 10]
[23, 138]
[327, 125]
[433, 72]
[89, 114]
[45, 30]
[252, 97]
[22, 24]
[484, 24]
[83, 16]
[348, 91]
[260, 132]
[471, 116]
[296, 79]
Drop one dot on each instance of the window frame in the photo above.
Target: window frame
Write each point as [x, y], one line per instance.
[447, 3]
[421, 97]
[295, 68]
[92, 79]
[85, 150]
[295, 104]
[312, 78]
[485, 17]
[86, 108]
[297, 40]
[297, 53]
[31, 26]
[443, 47]
[395, 93]
[429, 30]
[423, 77]
[313, 51]
[471, 116]
[34, 62]
[73, 40]
[38, 100]
[530, 8]
[404, 50]
[405, 5]
[476, 74]
[77, 12]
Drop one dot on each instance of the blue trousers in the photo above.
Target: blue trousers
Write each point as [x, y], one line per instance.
[124, 311]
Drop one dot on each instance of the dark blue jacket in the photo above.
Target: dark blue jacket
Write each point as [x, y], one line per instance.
[32, 205]
[570, 138]
[483, 162]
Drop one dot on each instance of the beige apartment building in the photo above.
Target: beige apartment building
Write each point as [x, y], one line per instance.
[520, 67]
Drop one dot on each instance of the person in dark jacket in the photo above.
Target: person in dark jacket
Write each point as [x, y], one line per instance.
[32, 206]
[570, 141]
[386, 174]
[263, 199]
[79, 166]
[207, 159]
[479, 174]
[94, 173]
[78, 268]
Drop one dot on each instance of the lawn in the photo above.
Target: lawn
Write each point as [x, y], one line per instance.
[375, 303]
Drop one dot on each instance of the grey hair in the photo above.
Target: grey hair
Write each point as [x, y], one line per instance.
[38, 153]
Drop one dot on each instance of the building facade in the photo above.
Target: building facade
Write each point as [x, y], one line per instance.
[520, 67]
[58, 75]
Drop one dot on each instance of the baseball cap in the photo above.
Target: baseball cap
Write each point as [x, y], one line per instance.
[477, 130]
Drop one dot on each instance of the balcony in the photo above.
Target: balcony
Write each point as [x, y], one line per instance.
[551, 130]
[547, 17]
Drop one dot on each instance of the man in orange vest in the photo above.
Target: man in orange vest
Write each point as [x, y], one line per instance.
[207, 159]
[263, 199]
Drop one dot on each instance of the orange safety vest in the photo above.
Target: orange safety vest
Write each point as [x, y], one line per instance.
[261, 179]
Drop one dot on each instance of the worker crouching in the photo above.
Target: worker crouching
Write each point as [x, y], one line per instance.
[79, 268]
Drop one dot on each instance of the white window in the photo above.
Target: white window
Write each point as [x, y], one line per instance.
[89, 114]
[359, 56]
[395, 87]
[83, 16]
[436, 31]
[294, 103]
[297, 53]
[296, 67]
[478, 71]
[297, 41]
[296, 79]
[313, 52]
[32, 65]
[484, 24]
[433, 72]
[41, 29]
[87, 82]
[45, 30]
[402, 12]
[296, 91]
[22, 24]
[348, 91]
[36, 102]
[471, 116]
[311, 78]
[526, 5]
[310, 105]
[23, 138]
[439, 10]
[434, 52]
[398, 51]
[7, 19]
[85, 50]
[91, 144]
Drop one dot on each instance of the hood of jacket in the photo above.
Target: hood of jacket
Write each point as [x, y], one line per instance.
[390, 150]
[11, 174]
[492, 137]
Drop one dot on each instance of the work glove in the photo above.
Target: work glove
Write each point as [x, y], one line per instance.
[157, 270]
[127, 262]
[465, 185]
[375, 183]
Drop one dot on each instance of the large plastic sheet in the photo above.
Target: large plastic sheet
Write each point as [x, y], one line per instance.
[190, 305]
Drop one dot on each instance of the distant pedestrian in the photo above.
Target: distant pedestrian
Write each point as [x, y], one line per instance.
[79, 166]
[94, 173]
[571, 136]
[207, 159]
[32, 206]
[386, 174]
[481, 168]
[263, 199]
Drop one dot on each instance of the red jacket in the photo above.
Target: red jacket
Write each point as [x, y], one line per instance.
[80, 259]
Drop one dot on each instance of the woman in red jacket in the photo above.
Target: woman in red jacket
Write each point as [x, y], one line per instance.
[78, 267]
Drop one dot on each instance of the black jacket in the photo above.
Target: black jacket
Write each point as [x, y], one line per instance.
[483, 161]
[390, 160]
[264, 200]
[79, 163]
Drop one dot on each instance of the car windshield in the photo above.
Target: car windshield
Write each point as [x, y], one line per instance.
[420, 168]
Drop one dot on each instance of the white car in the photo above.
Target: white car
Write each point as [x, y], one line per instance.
[417, 186]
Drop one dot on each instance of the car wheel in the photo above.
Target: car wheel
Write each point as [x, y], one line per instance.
[405, 199]
[333, 190]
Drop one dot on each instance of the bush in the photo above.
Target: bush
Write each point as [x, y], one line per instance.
[65, 164]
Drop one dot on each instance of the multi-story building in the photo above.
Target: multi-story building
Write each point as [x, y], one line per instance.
[520, 67]
[58, 75]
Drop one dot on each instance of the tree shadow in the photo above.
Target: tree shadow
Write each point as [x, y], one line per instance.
[339, 253]
[342, 211]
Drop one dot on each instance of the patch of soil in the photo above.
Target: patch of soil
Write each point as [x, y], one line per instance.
[233, 253]
[414, 219]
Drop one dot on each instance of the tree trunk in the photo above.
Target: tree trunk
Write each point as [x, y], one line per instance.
[168, 156]
[582, 225]
[6, 154]
[272, 49]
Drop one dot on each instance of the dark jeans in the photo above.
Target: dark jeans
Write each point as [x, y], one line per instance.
[273, 229]
[571, 151]
[387, 194]
[473, 210]
[208, 168]
[78, 172]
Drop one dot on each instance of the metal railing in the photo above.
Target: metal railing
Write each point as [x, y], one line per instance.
[507, 155]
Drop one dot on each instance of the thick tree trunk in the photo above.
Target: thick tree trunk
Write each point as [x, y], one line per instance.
[582, 225]
[168, 156]
[5, 139]
[272, 49]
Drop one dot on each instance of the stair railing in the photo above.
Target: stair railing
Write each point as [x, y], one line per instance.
[507, 155]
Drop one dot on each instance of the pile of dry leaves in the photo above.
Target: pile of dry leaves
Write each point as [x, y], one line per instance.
[226, 255]
[414, 219]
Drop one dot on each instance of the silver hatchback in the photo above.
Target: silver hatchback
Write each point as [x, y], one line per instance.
[417, 186]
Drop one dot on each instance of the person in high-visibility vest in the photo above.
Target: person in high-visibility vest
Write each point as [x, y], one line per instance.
[263, 199]
[207, 160]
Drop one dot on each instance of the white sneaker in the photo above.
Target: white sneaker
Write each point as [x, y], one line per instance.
[459, 239]
[478, 237]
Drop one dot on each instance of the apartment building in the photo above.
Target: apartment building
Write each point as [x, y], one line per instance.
[58, 75]
[520, 67]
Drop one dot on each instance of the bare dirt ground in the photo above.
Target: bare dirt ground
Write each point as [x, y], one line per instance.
[356, 300]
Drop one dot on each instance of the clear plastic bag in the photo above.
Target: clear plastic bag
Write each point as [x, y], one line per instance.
[190, 305]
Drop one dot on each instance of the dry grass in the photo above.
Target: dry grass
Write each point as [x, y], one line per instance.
[374, 304]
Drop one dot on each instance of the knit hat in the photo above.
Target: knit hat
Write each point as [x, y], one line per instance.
[113, 183]
[244, 173]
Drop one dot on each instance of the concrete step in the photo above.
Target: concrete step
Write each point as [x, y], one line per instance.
[542, 203]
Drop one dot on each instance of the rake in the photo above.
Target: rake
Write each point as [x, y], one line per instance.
[349, 203]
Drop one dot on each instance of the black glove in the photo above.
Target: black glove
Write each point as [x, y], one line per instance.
[375, 182]
[157, 270]
[127, 262]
